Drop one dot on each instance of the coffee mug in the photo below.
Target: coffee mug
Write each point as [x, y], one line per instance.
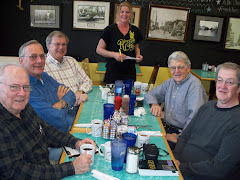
[96, 128]
[142, 138]
[104, 93]
[90, 150]
[107, 151]
[144, 88]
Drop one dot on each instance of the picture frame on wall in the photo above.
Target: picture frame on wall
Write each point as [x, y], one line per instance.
[44, 16]
[136, 18]
[167, 23]
[93, 15]
[232, 40]
[208, 28]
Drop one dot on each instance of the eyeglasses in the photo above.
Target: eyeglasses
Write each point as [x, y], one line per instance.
[34, 57]
[173, 68]
[228, 82]
[17, 87]
[59, 44]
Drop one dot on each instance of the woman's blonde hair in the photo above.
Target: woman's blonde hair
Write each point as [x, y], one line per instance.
[125, 3]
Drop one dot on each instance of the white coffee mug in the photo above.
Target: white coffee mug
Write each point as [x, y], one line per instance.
[144, 88]
[107, 151]
[104, 93]
[90, 150]
[96, 128]
[137, 85]
[142, 138]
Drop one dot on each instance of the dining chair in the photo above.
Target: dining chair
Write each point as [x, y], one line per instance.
[154, 74]
[85, 66]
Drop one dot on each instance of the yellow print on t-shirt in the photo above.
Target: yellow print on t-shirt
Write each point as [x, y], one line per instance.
[127, 45]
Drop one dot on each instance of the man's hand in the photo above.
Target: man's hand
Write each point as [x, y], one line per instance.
[156, 110]
[82, 163]
[85, 141]
[178, 163]
[172, 137]
[62, 90]
[80, 97]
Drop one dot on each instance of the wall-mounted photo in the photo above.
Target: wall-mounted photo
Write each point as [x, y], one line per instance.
[233, 34]
[136, 18]
[208, 28]
[44, 16]
[90, 14]
[167, 23]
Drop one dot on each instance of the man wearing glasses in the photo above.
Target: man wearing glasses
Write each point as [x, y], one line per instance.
[182, 94]
[25, 137]
[209, 146]
[65, 69]
[51, 101]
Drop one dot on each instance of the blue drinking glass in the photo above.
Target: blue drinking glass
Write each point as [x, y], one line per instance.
[128, 86]
[118, 87]
[132, 104]
[118, 153]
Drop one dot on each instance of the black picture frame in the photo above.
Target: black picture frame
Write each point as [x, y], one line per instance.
[45, 16]
[167, 23]
[208, 28]
[232, 40]
[90, 15]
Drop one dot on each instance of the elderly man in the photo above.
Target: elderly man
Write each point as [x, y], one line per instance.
[209, 147]
[52, 101]
[183, 94]
[66, 69]
[25, 137]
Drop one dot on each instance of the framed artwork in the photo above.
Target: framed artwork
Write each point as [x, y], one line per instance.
[136, 18]
[167, 23]
[44, 16]
[90, 14]
[233, 34]
[208, 28]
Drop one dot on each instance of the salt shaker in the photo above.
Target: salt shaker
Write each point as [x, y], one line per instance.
[111, 96]
[132, 159]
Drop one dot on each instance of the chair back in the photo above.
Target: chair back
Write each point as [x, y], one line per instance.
[85, 66]
[154, 74]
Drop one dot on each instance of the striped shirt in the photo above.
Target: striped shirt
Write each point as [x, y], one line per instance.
[69, 73]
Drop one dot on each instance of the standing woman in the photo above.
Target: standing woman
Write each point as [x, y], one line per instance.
[118, 41]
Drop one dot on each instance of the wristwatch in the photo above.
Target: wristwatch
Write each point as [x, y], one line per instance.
[64, 103]
[82, 92]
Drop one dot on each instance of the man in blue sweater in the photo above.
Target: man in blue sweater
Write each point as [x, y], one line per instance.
[52, 101]
[208, 148]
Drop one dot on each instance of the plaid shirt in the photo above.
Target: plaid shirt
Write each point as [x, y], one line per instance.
[69, 73]
[24, 147]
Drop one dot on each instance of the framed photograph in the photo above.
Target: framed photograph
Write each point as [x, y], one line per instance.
[135, 20]
[44, 16]
[90, 14]
[208, 28]
[167, 23]
[233, 34]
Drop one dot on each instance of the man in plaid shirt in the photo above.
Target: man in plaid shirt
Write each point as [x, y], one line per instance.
[25, 137]
[65, 69]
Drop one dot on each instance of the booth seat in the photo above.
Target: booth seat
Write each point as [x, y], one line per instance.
[8, 60]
